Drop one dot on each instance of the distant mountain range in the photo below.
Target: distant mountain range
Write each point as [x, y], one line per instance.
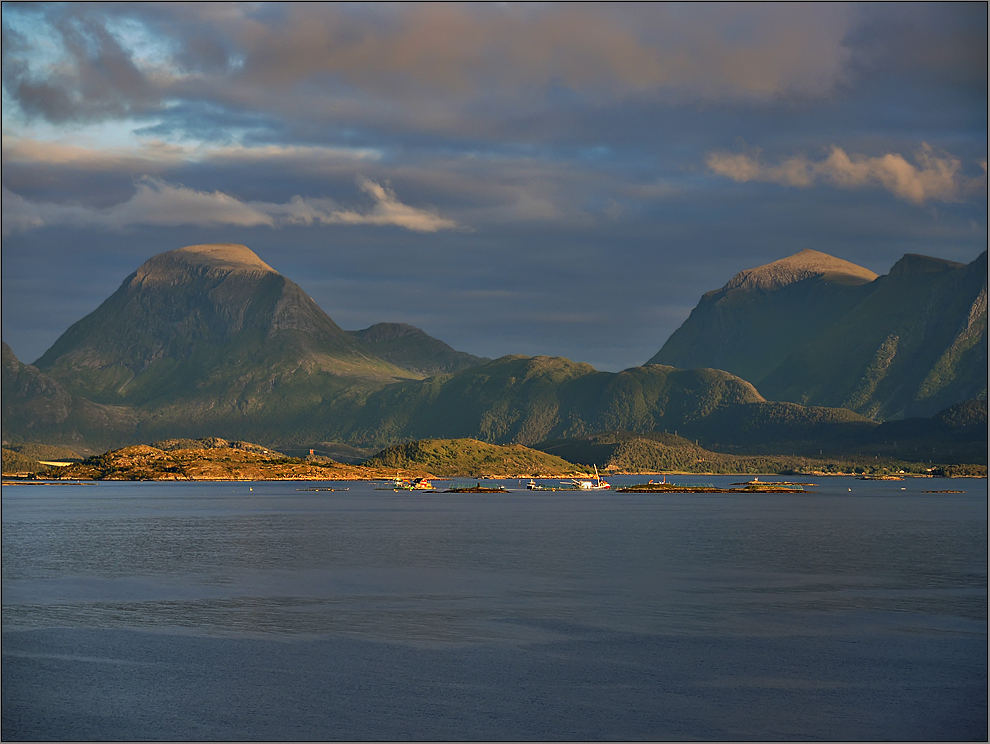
[211, 341]
[816, 330]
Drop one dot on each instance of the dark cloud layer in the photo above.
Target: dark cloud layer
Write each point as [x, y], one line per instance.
[564, 179]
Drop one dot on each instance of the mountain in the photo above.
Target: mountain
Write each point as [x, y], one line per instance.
[209, 337]
[210, 340]
[31, 399]
[525, 400]
[410, 348]
[815, 330]
[915, 345]
[749, 326]
[199, 319]
[37, 407]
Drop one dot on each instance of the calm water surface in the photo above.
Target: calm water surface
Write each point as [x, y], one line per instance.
[258, 611]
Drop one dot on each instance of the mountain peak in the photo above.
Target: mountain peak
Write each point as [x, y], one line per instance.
[224, 256]
[805, 264]
[411, 348]
[913, 263]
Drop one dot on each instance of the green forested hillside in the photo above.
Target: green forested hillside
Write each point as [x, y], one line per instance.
[628, 452]
[469, 458]
[524, 400]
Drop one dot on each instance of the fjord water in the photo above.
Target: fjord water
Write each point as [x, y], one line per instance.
[259, 611]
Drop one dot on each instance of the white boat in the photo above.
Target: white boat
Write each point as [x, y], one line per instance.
[591, 485]
[404, 484]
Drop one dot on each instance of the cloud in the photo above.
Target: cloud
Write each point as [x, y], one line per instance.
[93, 76]
[429, 64]
[157, 203]
[932, 177]
[458, 48]
[151, 153]
[388, 210]
[468, 189]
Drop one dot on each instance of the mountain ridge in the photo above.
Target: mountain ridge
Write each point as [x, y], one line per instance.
[907, 343]
[413, 349]
[211, 339]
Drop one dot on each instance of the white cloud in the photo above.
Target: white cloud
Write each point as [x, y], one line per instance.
[932, 177]
[388, 210]
[158, 203]
[146, 155]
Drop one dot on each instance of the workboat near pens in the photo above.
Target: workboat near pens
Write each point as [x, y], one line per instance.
[590, 485]
[423, 485]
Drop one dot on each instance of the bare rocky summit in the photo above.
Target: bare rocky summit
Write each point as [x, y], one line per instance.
[224, 256]
[806, 264]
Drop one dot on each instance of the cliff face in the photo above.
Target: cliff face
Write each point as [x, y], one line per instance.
[818, 331]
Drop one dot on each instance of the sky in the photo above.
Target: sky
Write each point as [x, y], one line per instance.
[562, 179]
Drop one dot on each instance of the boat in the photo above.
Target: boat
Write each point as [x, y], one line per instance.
[404, 484]
[590, 485]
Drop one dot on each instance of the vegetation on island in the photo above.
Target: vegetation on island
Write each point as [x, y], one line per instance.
[213, 458]
[470, 458]
[627, 452]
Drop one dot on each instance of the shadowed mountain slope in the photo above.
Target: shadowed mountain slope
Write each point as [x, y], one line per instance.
[753, 323]
[815, 330]
[410, 348]
[915, 345]
[203, 318]
[37, 407]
